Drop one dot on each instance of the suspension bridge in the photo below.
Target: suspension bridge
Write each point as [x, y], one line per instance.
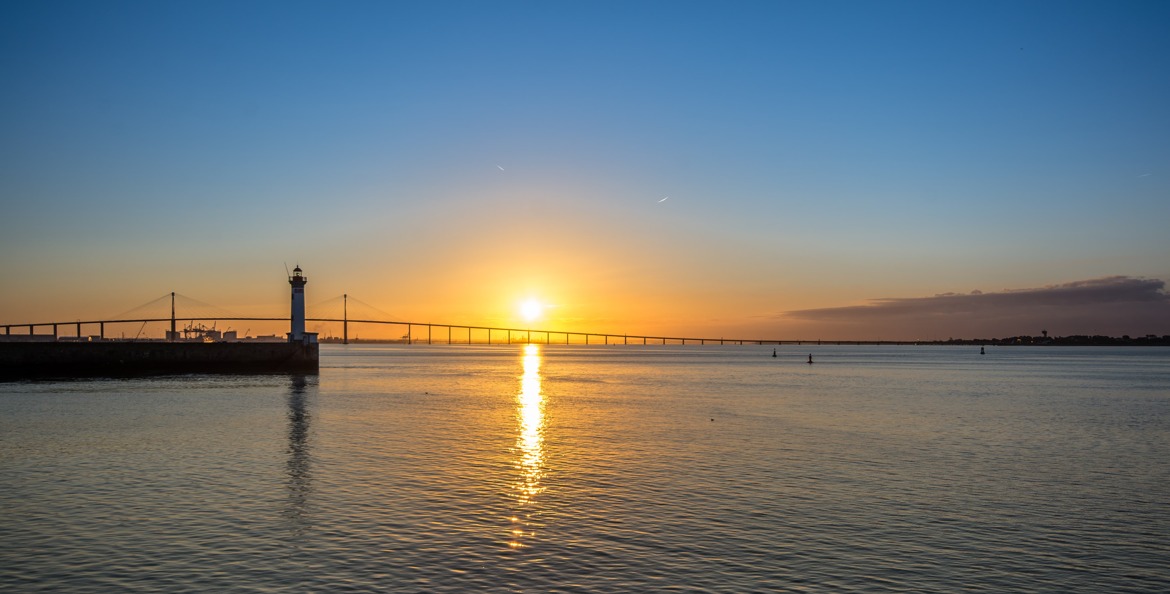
[195, 314]
[342, 315]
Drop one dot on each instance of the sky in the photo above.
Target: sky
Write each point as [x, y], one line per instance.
[778, 170]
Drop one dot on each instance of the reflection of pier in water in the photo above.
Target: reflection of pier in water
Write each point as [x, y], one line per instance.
[298, 465]
[529, 447]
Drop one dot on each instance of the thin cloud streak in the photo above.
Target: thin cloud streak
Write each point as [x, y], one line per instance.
[1111, 305]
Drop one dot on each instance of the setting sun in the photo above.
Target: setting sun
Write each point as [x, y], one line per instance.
[531, 310]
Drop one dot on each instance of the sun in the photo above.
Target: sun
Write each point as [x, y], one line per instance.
[531, 310]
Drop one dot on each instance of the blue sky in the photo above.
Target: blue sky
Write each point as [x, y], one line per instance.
[816, 154]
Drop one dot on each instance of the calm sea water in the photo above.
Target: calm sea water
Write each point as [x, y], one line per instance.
[600, 469]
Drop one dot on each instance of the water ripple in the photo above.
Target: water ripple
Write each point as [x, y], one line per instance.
[596, 470]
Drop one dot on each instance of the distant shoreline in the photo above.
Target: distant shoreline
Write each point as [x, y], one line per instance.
[1056, 341]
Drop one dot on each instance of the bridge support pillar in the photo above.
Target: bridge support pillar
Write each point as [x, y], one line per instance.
[102, 331]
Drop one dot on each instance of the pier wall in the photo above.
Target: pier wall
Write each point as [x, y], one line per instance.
[124, 358]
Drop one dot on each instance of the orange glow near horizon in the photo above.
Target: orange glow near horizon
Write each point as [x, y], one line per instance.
[600, 290]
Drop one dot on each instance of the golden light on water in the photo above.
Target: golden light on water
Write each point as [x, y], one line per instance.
[529, 437]
[530, 440]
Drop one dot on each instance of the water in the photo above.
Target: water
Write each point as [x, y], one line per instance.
[600, 469]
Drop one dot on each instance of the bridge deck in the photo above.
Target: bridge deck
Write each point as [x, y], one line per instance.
[488, 334]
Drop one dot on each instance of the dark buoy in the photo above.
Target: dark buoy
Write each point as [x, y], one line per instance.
[981, 351]
[773, 353]
[810, 361]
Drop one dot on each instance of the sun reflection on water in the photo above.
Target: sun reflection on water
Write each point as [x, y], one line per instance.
[529, 444]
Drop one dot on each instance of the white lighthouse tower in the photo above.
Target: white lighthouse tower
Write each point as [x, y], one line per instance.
[297, 332]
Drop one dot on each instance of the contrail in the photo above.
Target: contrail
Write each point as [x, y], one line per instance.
[1145, 175]
[501, 168]
[664, 199]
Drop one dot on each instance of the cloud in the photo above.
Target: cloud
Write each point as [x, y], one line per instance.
[1112, 305]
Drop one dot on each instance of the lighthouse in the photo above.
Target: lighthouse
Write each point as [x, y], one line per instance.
[297, 280]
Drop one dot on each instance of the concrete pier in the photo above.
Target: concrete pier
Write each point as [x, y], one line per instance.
[126, 359]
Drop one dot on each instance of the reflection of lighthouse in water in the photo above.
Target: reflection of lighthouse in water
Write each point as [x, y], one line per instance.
[298, 466]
